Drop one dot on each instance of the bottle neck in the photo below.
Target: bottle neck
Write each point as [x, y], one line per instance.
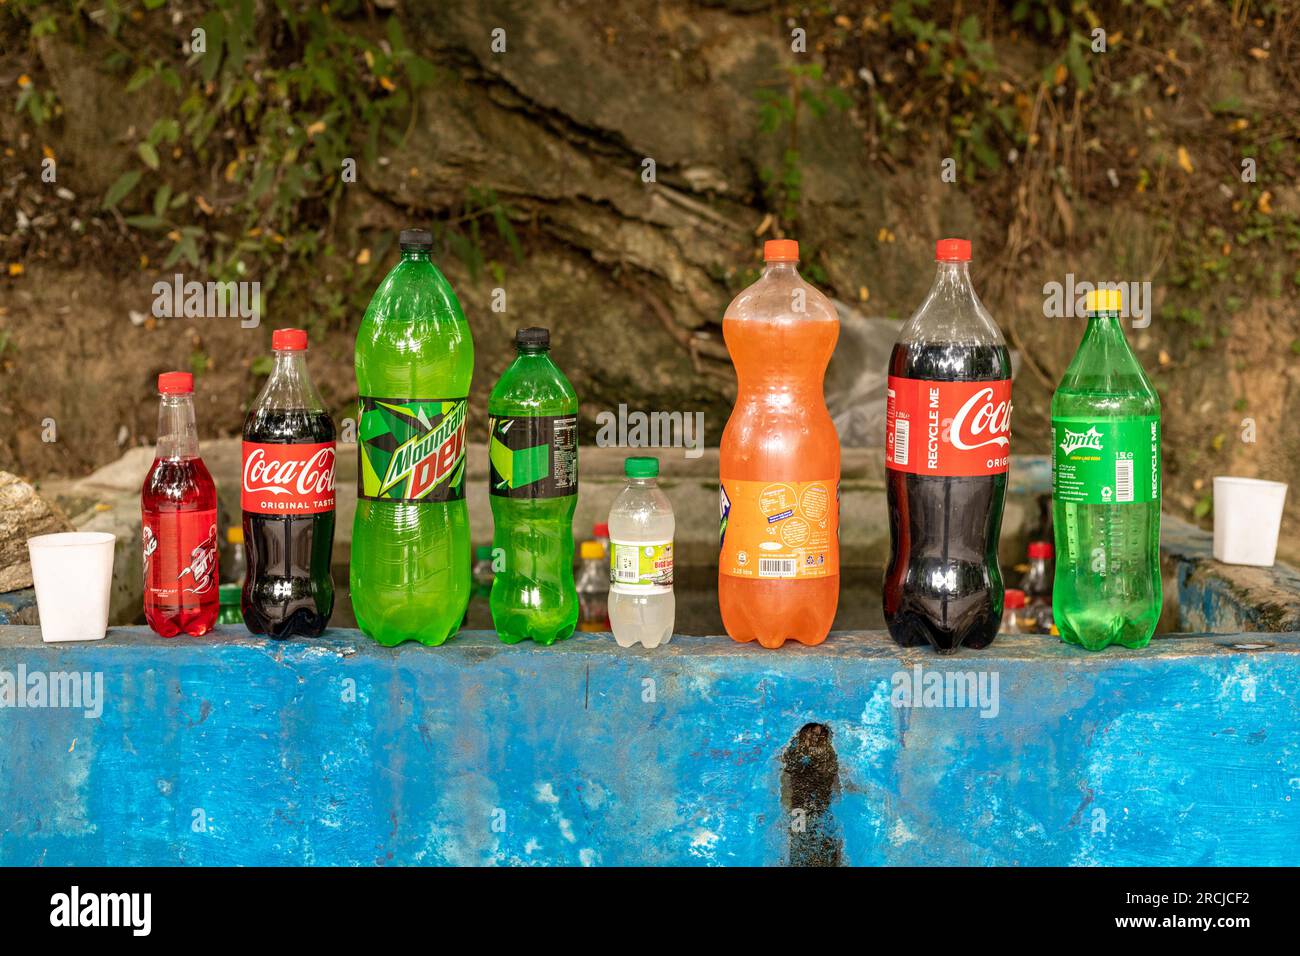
[415, 255]
[177, 435]
[531, 351]
[289, 386]
[779, 269]
[952, 279]
[642, 482]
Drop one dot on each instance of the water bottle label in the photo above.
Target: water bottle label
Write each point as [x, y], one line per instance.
[411, 449]
[780, 529]
[1106, 461]
[948, 428]
[533, 456]
[180, 556]
[643, 567]
[288, 479]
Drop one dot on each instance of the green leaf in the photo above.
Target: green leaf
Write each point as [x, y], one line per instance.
[150, 223]
[119, 190]
[148, 154]
[161, 198]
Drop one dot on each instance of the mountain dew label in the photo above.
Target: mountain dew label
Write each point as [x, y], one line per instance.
[412, 449]
[533, 456]
[1103, 461]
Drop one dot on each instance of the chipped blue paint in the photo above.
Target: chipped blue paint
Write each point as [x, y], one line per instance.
[233, 750]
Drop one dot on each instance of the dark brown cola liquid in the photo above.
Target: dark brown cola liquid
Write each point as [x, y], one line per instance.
[943, 585]
[288, 591]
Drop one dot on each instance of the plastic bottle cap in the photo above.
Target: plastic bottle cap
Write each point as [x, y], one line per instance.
[176, 383]
[483, 552]
[229, 593]
[641, 467]
[600, 530]
[1015, 598]
[952, 250]
[780, 250]
[415, 239]
[234, 535]
[1101, 300]
[533, 338]
[288, 340]
[591, 550]
[1041, 549]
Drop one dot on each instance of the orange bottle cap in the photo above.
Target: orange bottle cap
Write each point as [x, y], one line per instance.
[780, 250]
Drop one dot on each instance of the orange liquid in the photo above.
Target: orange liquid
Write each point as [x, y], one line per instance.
[780, 430]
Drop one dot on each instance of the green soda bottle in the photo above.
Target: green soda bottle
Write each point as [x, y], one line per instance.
[533, 486]
[1106, 489]
[410, 573]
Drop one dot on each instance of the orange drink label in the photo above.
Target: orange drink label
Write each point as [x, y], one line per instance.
[780, 529]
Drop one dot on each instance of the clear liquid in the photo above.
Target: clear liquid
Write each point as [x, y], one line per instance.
[641, 515]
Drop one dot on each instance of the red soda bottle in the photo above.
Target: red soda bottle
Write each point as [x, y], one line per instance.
[179, 531]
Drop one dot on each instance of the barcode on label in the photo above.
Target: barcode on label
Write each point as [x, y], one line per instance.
[1124, 479]
[901, 428]
[776, 567]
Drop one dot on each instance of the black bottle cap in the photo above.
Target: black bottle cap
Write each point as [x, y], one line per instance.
[415, 239]
[533, 338]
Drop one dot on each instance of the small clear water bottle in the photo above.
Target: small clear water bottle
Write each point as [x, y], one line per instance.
[641, 602]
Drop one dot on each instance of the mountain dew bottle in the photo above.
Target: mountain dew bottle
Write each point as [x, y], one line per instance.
[1106, 489]
[410, 574]
[533, 487]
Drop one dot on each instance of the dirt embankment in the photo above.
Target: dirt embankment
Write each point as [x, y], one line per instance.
[1126, 165]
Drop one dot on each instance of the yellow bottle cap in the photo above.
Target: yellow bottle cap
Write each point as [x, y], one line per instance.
[234, 535]
[1102, 300]
[591, 550]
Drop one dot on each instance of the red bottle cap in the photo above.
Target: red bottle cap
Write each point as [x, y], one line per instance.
[952, 250]
[600, 530]
[1041, 549]
[176, 383]
[1014, 598]
[288, 340]
[780, 250]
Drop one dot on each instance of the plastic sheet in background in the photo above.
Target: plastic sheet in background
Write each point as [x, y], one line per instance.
[855, 380]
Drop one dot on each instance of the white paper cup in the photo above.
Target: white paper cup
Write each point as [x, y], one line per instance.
[1247, 519]
[72, 573]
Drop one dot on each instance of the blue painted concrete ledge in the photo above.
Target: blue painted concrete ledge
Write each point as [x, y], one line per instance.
[234, 750]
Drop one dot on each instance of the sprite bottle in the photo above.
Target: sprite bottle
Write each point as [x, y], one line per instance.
[533, 487]
[410, 573]
[1106, 489]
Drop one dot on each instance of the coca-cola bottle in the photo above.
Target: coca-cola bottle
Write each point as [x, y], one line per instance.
[179, 520]
[947, 450]
[288, 499]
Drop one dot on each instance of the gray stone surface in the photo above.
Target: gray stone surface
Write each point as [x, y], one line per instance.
[23, 514]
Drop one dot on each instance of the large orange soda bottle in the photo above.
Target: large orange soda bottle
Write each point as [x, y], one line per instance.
[779, 571]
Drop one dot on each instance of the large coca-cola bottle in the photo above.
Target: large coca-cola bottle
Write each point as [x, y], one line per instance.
[288, 499]
[178, 505]
[947, 450]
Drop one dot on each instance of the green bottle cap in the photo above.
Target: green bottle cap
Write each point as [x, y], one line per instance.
[483, 552]
[641, 467]
[229, 594]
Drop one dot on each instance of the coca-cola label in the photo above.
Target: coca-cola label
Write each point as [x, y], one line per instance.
[282, 479]
[948, 428]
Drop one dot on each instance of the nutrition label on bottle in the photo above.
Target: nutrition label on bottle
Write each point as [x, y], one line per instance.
[1104, 461]
[780, 529]
[533, 456]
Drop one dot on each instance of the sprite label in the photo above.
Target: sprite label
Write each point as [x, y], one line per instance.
[1105, 461]
[412, 449]
[533, 456]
